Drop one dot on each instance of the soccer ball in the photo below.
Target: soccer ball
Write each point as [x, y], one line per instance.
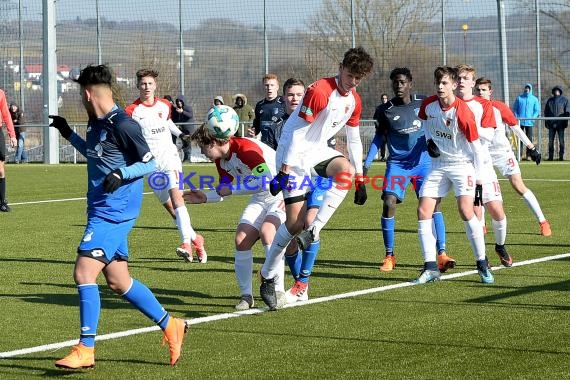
[222, 121]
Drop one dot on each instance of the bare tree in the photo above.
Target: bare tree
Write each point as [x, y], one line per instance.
[389, 30]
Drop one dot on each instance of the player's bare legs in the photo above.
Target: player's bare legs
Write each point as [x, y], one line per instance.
[176, 206]
[338, 167]
[273, 265]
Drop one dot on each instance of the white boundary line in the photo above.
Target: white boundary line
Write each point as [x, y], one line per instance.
[56, 200]
[150, 192]
[219, 317]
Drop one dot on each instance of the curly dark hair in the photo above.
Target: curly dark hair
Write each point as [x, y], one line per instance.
[401, 71]
[358, 61]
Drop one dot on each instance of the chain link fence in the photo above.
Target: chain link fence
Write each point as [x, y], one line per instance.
[205, 49]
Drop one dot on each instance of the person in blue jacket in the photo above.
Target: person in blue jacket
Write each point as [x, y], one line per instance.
[527, 106]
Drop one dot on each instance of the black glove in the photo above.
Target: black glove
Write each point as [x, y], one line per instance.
[185, 137]
[278, 183]
[113, 181]
[535, 155]
[432, 149]
[478, 195]
[61, 125]
[360, 196]
[364, 170]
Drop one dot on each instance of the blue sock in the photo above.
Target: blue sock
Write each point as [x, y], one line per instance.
[294, 263]
[308, 261]
[89, 311]
[439, 223]
[388, 233]
[430, 265]
[142, 298]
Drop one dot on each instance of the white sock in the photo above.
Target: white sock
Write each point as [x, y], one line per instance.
[276, 252]
[333, 199]
[185, 229]
[500, 230]
[280, 279]
[243, 266]
[427, 240]
[532, 203]
[476, 238]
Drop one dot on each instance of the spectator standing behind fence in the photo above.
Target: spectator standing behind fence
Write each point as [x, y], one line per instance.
[18, 121]
[269, 109]
[244, 111]
[556, 106]
[183, 113]
[218, 100]
[13, 142]
[527, 106]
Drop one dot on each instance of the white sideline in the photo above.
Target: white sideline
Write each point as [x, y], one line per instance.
[218, 317]
[56, 200]
[150, 192]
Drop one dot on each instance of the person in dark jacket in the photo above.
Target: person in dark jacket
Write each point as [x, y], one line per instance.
[18, 121]
[183, 113]
[556, 106]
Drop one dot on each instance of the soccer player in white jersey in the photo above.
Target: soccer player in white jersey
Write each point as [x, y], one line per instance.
[245, 166]
[503, 156]
[491, 196]
[328, 104]
[153, 115]
[453, 143]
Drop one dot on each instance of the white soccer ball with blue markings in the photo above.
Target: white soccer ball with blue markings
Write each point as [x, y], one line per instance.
[222, 121]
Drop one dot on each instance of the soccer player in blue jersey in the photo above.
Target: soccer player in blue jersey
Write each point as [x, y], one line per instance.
[408, 162]
[117, 159]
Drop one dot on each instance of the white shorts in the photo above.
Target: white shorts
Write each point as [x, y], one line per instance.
[506, 162]
[260, 207]
[162, 190]
[169, 160]
[441, 178]
[301, 174]
[491, 191]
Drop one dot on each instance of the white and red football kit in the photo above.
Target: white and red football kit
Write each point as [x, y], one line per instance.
[486, 125]
[158, 128]
[323, 111]
[250, 168]
[452, 129]
[502, 153]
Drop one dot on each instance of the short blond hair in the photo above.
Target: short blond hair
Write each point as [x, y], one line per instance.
[468, 68]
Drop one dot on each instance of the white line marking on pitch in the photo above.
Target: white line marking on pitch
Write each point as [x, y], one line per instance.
[55, 200]
[219, 317]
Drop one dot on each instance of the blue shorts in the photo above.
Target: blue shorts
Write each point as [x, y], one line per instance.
[400, 174]
[105, 241]
[315, 197]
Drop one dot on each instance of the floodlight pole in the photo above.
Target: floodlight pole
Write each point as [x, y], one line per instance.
[181, 47]
[21, 37]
